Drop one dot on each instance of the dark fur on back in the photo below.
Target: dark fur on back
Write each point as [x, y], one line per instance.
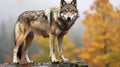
[36, 20]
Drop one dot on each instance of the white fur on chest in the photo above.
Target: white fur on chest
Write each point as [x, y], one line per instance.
[58, 31]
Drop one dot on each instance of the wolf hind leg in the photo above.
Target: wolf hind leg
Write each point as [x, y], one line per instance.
[29, 40]
[17, 51]
[20, 35]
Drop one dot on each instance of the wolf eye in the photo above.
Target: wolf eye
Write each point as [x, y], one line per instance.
[66, 10]
[73, 12]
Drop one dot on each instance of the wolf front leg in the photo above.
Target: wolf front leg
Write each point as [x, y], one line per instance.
[52, 48]
[60, 51]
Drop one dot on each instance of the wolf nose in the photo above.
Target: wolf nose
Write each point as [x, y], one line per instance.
[68, 18]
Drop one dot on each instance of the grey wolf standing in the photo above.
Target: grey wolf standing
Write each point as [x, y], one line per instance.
[53, 23]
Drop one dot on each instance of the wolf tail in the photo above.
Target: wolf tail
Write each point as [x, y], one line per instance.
[20, 51]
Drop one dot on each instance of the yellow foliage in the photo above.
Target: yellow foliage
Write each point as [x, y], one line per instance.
[85, 56]
[102, 36]
[90, 49]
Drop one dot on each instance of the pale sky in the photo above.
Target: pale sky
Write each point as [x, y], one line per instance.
[14, 7]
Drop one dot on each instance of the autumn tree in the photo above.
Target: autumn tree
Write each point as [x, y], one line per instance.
[102, 36]
[68, 49]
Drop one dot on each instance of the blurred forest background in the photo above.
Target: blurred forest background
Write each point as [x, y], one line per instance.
[94, 39]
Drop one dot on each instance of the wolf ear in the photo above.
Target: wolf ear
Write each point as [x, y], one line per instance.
[63, 3]
[74, 3]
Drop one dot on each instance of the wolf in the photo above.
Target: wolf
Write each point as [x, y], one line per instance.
[53, 23]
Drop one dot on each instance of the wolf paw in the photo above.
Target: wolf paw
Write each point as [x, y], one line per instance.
[65, 60]
[30, 62]
[54, 60]
[16, 62]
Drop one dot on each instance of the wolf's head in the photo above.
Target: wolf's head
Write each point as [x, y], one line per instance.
[68, 11]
